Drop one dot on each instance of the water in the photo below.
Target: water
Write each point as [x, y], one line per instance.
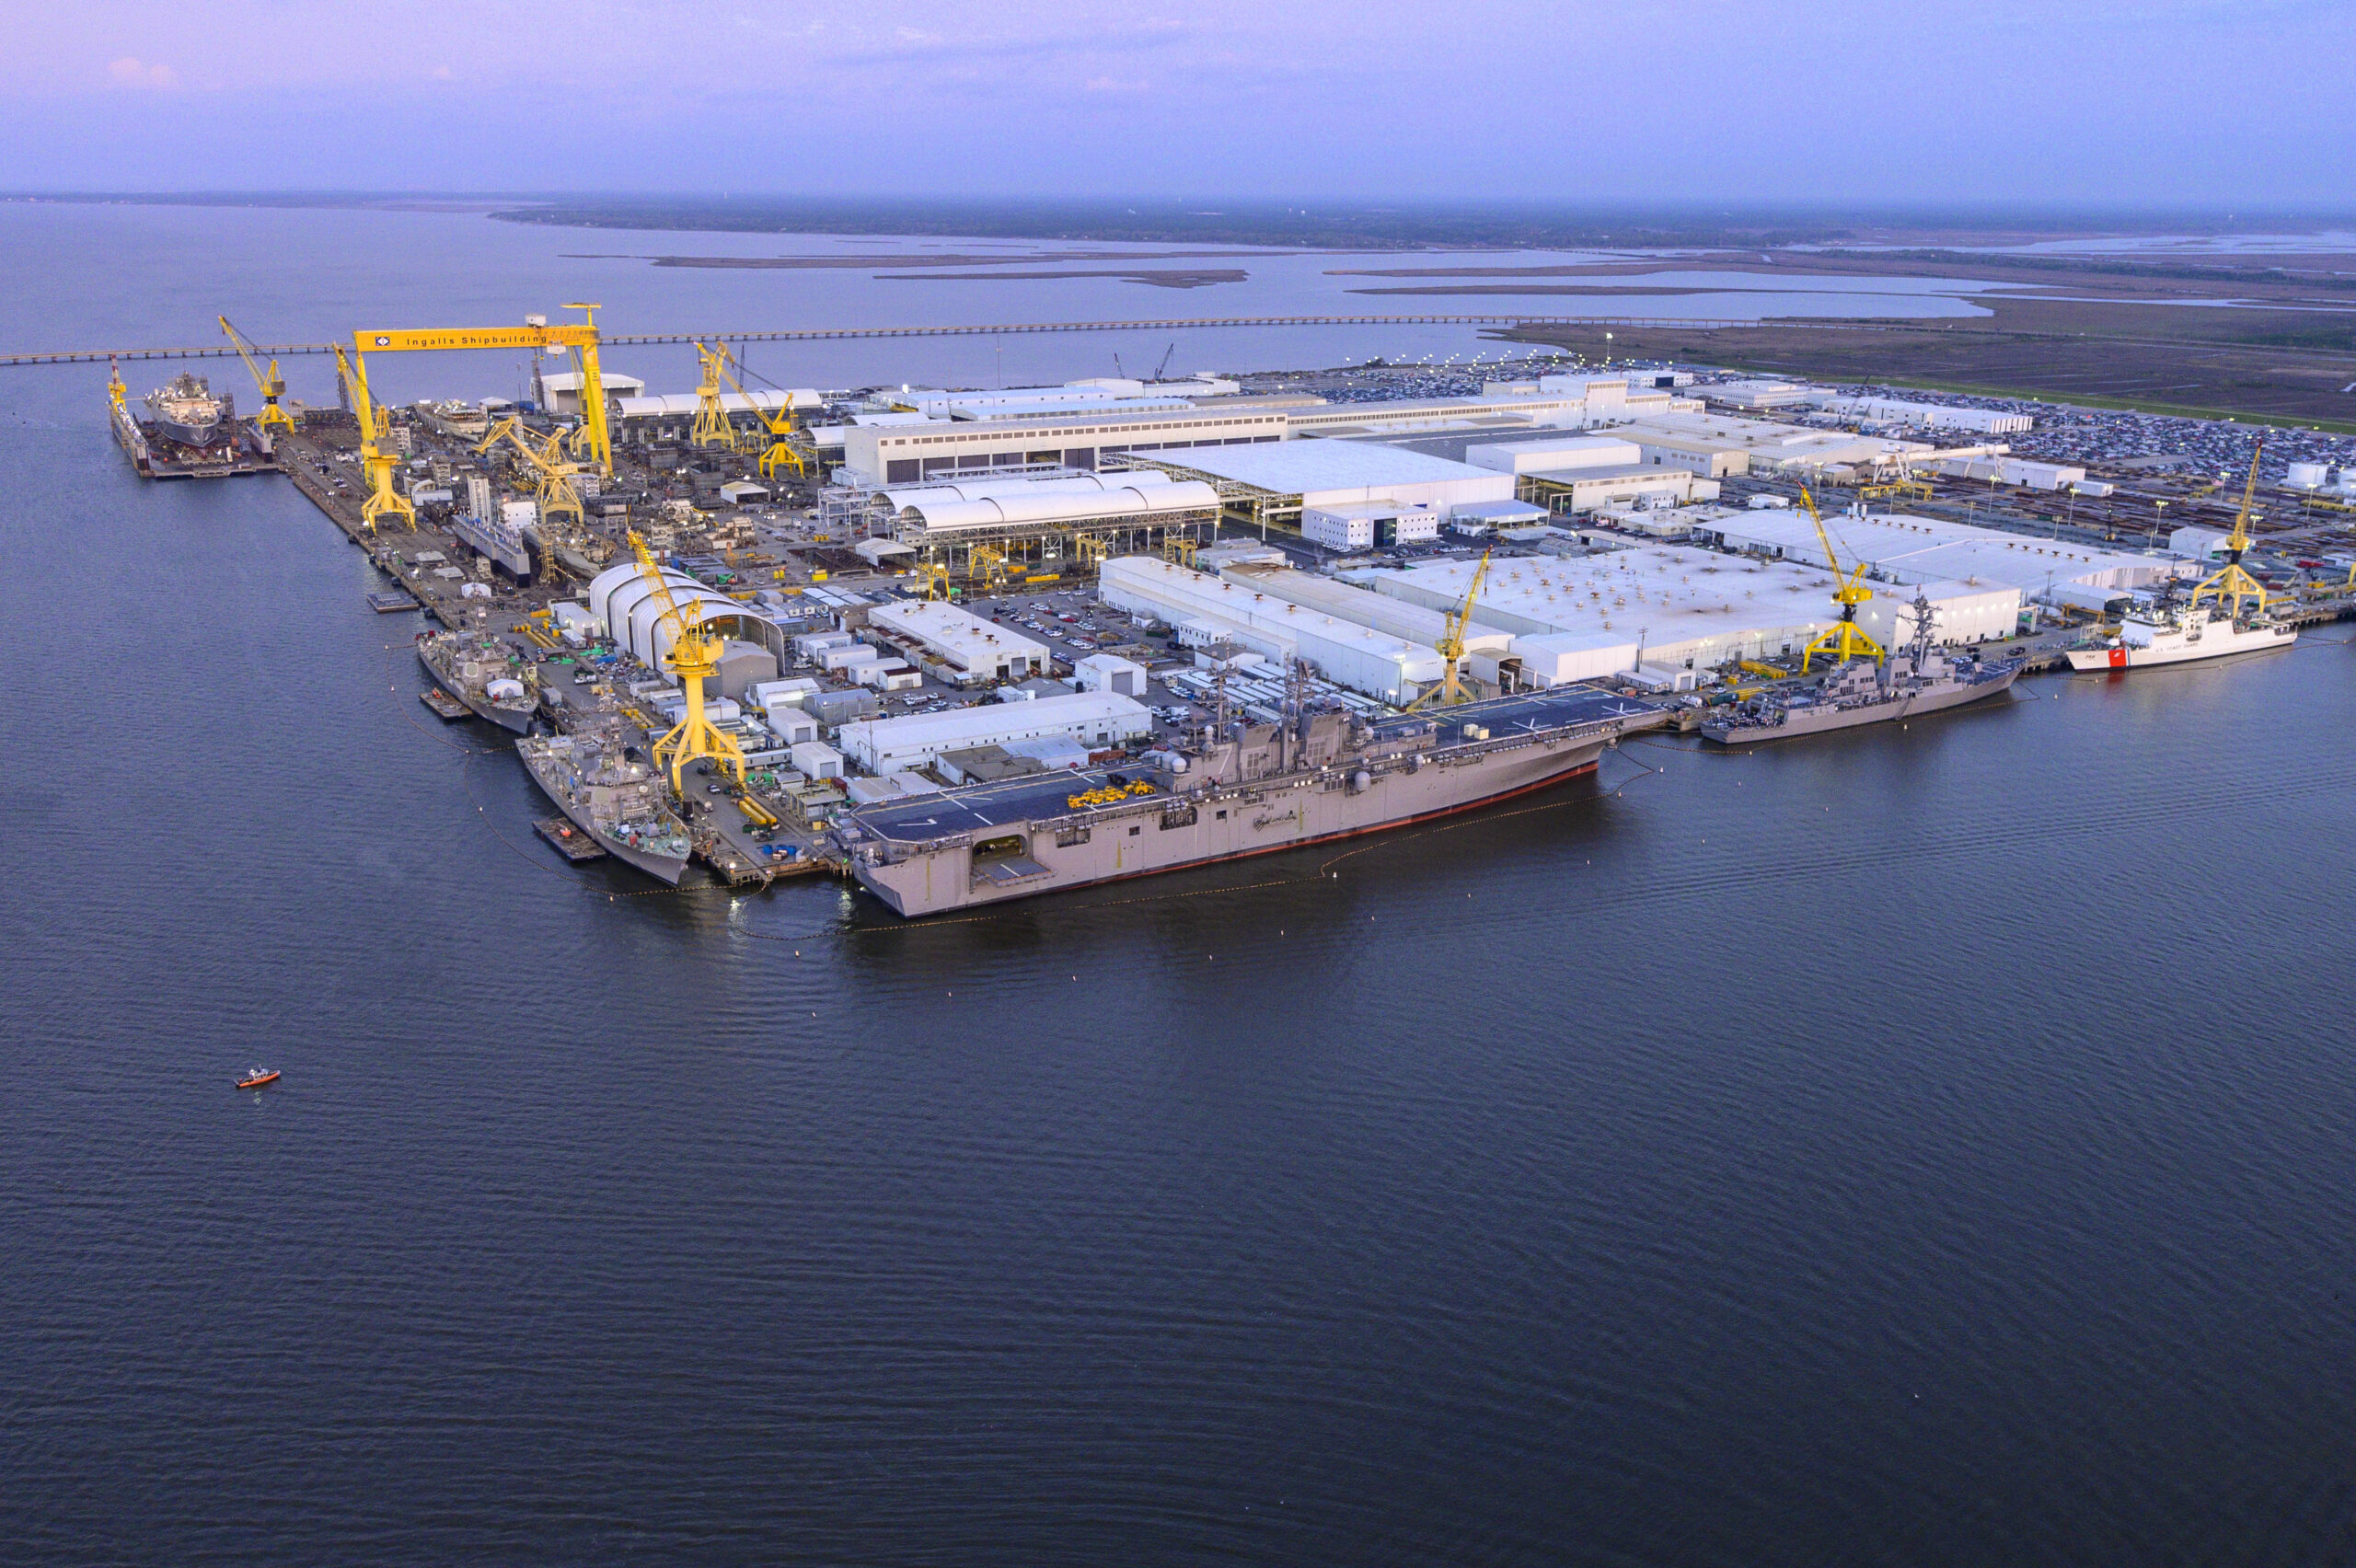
[1926, 1145]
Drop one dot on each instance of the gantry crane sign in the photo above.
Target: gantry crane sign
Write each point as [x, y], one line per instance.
[593, 441]
[1449, 688]
[1846, 640]
[694, 657]
[2231, 583]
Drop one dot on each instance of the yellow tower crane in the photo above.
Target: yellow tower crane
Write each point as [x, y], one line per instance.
[2232, 583]
[1449, 688]
[272, 385]
[779, 452]
[375, 461]
[554, 488]
[1845, 641]
[694, 658]
[711, 426]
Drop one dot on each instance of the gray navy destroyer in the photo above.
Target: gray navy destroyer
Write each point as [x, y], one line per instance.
[485, 672]
[1924, 678]
[1246, 789]
[622, 803]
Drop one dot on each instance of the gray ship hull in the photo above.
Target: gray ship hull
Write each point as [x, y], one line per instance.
[662, 868]
[516, 720]
[996, 843]
[1799, 723]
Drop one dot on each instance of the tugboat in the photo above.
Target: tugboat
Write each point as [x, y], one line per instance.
[1925, 678]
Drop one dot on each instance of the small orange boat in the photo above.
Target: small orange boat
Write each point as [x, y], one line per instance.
[257, 1077]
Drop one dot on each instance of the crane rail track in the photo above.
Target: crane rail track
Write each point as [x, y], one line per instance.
[844, 334]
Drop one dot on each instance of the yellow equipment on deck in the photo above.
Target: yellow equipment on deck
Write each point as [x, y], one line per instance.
[1844, 641]
[272, 385]
[694, 658]
[1449, 688]
[2231, 583]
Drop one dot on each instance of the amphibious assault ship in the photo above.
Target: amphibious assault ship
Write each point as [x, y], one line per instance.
[622, 804]
[1244, 789]
[485, 672]
[1922, 678]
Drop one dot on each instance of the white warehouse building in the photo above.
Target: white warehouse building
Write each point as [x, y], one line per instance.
[1908, 549]
[1329, 474]
[961, 640]
[622, 598]
[1095, 719]
[1344, 652]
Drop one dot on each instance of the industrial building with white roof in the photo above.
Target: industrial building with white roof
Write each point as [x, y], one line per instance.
[961, 640]
[1910, 549]
[1095, 719]
[1208, 610]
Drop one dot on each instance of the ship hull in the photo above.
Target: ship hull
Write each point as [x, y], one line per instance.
[1799, 722]
[1232, 823]
[2214, 643]
[515, 720]
[662, 868]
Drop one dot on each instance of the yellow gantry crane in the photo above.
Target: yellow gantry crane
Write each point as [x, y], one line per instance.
[554, 490]
[711, 426]
[1449, 688]
[779, 453]
[592, 440]
[375, 461]
[1845, 641]
[2232, 583]
[987, 565]
[694, 658]
[272, 385]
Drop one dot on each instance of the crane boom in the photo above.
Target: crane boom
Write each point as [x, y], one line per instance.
[271, 385]
[1845, 639]
[2232, 583]
[1449, 688]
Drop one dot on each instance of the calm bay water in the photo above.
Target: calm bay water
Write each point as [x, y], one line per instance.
[1928, 1145]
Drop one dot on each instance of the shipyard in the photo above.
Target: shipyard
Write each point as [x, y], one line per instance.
[962, 646]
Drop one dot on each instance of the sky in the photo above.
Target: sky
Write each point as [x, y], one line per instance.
[2178, 103]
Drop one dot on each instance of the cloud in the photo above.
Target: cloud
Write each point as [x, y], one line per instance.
[1107, 84]
[130, 71]
[443, 73]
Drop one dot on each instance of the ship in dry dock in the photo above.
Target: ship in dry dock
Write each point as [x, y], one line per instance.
[1251, 790]
[185, 410]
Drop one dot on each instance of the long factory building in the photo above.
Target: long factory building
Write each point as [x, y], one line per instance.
[1908, 549]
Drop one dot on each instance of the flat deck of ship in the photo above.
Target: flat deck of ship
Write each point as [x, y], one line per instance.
[982, 808]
